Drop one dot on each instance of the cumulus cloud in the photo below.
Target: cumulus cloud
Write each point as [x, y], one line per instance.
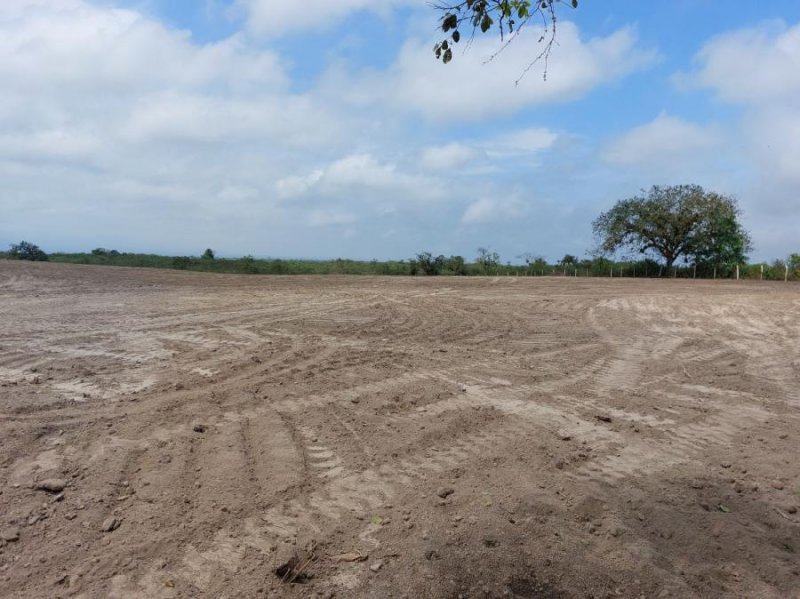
[488, 210]
[758, 68]
[751, 66]
[362, 176]
[469, 89]
[491, 152]
[447, 157]
[662, 143]
[278, 17]
[325, 217]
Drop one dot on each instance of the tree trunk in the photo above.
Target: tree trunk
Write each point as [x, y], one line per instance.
[670, 260]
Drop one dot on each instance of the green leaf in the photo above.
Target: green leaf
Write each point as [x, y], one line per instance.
[376, 520]
[449, 22]
[724, 508]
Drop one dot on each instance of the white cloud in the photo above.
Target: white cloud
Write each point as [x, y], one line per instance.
[278, 17]
[662, 143]
[447, 157]
[79, 47]
[325, 217]
[363, 176]
[774, 138]
[197, 118]
[521, 143]
[758, 68]
[755, 65]
[468, 89]
[487, 210]
[490, 152]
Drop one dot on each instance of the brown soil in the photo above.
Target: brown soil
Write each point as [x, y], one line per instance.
[542, 438]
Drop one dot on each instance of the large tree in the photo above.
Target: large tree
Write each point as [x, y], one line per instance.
[682, 222]
[506, 17]
[27, 251]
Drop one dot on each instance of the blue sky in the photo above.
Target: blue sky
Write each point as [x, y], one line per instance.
[327, 129]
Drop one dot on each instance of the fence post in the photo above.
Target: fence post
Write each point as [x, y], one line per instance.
[786, 273]
[694, 274]
[715, 272]
[762, 272]
[737, 272]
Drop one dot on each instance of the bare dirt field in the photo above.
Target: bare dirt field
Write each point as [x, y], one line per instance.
[391, 437]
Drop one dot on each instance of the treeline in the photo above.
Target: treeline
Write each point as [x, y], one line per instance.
[487, 263]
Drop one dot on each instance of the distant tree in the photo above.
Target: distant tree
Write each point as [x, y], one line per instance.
[208, 254]
[536, 263]
[488, 260]
[247, 264]
[568, 260]
[429, 265]
[27, 251]
[540, 265]
[456, 265]
[682, 222]
[181, 262]
[506, 17]
[99, 252]
[793, 262]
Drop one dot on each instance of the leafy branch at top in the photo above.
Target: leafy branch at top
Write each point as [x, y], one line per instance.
[507, 17]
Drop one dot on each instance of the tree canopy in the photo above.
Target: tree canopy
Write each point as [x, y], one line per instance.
[506, 17]
[27, 251]
[682, 222]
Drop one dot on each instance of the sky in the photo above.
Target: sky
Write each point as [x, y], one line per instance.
[323, 129]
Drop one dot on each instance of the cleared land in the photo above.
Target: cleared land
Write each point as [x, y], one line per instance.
[548, 438]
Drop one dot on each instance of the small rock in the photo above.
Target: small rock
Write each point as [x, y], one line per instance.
[10, 535]
[199, 428]
[355, 400]
[51, 485]
[565, 436]
[725, 464]
[776, 484]
[603, 418]
[792, 509]
[445, 492]
[110, 524]
[376, 566]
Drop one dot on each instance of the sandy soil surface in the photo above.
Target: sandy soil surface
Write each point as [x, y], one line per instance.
[389, 437]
